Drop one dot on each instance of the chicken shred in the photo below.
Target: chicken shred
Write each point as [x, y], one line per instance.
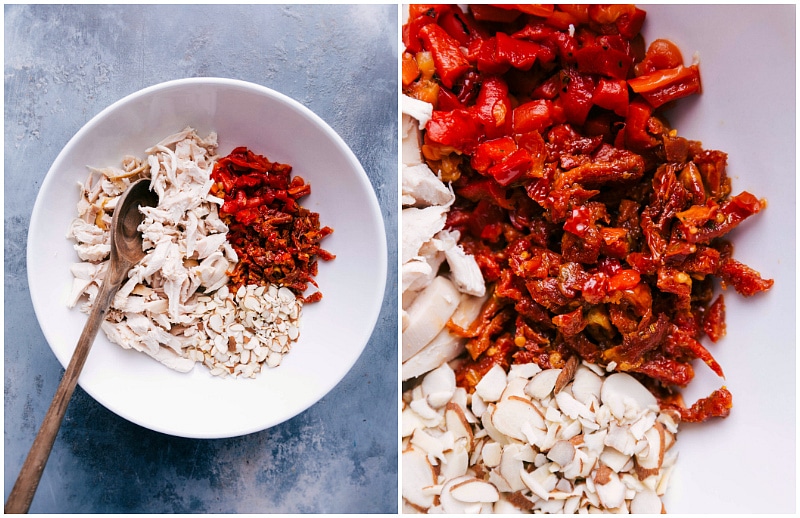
[187, 254]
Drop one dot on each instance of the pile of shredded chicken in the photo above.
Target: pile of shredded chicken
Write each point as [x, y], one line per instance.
[156, 310]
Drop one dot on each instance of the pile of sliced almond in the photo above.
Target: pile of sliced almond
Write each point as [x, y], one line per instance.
[547, 441]
[242, 331]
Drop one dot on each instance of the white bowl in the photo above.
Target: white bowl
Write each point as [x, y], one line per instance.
[334, 331]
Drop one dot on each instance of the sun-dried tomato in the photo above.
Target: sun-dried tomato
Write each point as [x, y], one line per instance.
[276, 239]
[599, 229]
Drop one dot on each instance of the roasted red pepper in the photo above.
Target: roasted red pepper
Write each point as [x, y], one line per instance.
[492, 107]
[456, 128]
[512, 168]
[663, 86]
[533, 116]
[609, 56]
[612, 94]
[520, 54]
[275, 238]
[576, 94]
[449, 60]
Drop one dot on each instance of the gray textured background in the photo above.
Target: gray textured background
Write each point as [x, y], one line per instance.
[63, 64]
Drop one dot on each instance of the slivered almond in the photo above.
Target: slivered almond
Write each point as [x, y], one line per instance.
[611, 491]
[621, 391]
[566, 375]
[474, 490]
[562, 453]
[649, 460]
[492, 384]
[452, 505]
[541, 385]
[455, 461]
[510, 414]
[456, 422]
[439, 385]
[646, 502]
[418, 474]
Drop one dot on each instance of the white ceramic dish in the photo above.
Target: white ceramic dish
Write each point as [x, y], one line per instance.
[334, 331]
[745, 463]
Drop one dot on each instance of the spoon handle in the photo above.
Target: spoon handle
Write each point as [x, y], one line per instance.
[21, 496]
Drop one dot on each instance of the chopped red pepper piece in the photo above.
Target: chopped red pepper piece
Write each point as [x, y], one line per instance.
[447, 56]
[533, 116]
[636, 134]
[490, 152]
[493, 107]
[512, 168]
[663, 86]
[612, 94]
[493, 13]
[576, 94]
[607, 56]
[520, 54]
[456, 128]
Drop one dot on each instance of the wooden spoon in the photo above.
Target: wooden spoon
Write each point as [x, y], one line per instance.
[126, 251]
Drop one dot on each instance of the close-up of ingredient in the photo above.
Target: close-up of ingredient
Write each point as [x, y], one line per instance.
[230, 253]
[562, 257]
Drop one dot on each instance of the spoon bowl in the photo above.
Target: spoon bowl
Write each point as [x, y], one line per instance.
[126, 251]
[126, 240]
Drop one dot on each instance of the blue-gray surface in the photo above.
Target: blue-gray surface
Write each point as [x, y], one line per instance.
[63, 64]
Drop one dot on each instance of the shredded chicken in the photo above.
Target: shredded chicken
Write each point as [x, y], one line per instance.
[156, 309]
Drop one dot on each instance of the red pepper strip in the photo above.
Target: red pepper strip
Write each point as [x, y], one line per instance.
[456, 128]
[561, 20]
[662, 86]
[660, 55]
[576, 95]
[520, 54]
[419, 15]
[602, 57]
[612, 94]
[512, 168]
[532, 116]
[448, 59]
[630, 24]
[609, 13]
[490, 152]
[486, 57]
[493, 107]
[559, 41]
[454, 26]
[448, 101]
